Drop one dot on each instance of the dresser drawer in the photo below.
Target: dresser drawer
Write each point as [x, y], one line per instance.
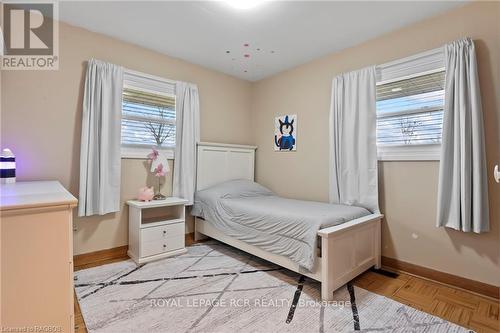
[162, 232]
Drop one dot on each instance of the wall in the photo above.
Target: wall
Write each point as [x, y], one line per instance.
[408, 190]
[41, 120]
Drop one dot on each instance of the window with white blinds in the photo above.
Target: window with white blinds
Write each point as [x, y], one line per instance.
[410, 102]
[410, 111]
[148, 114]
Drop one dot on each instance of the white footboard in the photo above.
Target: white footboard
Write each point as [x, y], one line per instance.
[348, 250]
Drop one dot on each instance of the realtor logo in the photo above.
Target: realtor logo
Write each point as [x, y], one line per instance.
[30, 36]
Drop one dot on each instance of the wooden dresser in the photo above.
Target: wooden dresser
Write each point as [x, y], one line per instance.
[36, 253]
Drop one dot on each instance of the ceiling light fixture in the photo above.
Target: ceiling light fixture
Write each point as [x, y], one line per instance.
[244, 4]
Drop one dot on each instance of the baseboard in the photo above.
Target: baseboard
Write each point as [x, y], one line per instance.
[93, 257]
[113, 253]
[446, 278]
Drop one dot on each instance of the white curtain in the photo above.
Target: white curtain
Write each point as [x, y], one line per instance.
[187, 136]
[353, 142]
[100, 141]
[463, 187]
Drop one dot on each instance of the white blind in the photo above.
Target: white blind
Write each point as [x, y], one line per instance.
[410, 111]
[148, 111]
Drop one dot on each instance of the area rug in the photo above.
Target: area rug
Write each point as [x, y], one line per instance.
[217, 288]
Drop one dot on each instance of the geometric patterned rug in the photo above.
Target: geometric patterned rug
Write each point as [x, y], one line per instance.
[216, 288]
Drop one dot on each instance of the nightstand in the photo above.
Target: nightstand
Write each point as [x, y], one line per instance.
[156, 229]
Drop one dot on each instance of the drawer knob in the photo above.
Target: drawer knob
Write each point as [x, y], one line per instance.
[164, 245]
[164, 232]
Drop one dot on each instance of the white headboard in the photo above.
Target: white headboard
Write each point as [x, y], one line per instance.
[219, 162]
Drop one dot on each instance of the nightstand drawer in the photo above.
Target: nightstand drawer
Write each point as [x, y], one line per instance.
[162, 245]
[162, 232]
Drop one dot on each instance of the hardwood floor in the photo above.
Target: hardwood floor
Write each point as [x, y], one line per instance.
[464, 308]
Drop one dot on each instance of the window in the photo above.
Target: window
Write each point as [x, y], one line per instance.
[148, 115]
[410, 110]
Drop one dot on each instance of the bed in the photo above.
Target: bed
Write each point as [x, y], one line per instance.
[328, 243]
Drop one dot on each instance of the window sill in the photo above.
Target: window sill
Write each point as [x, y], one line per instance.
[142, 153]
[409, 153]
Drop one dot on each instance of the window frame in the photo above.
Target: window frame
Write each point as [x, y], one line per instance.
[151, 84]
[424, 63]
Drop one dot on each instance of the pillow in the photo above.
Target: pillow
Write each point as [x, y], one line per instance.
[239, 188]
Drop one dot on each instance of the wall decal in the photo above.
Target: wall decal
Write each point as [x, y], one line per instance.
[285, 133]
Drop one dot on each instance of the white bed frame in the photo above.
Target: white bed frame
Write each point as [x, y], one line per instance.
[347, 250]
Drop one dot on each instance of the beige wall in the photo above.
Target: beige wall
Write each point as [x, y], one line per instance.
[41, 116]
[407, 189]
[41, 120]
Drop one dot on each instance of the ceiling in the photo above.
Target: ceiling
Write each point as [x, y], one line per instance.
[249, 44]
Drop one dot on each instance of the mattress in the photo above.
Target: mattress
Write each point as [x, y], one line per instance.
[251, 213]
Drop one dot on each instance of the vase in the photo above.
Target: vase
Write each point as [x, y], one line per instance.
[159, 196]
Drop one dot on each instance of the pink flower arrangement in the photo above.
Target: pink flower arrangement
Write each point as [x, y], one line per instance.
[159, 167]
[159, 171]
[153, 155]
